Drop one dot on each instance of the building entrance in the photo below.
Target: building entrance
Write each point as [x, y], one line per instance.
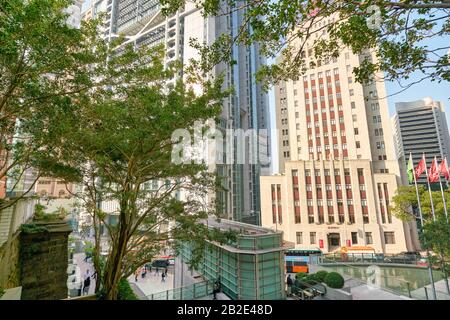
[334, 241]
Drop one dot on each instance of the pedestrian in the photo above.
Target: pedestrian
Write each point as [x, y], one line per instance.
[165, 271]
[86, 283]
[144, 272]
[136, 275]
[216, 288]
[150, 268]
[157, 271]
[163, 277]
[289, 285]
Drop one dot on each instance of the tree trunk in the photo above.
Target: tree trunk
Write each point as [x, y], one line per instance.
[113, 270]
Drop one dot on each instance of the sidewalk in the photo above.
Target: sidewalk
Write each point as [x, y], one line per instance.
[78, 258]
[441, 291]
[152, 283]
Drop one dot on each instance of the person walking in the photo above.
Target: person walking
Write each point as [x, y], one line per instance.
[163, 277]
[289, 283]
[157, 271]
[86, 283]
[165, 271]
[144, 272]
[216, 288]
[136, 275]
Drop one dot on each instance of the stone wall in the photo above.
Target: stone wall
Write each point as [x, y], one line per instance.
[9, 266]
[44, 261]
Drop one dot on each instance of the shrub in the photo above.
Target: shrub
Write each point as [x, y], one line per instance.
[334, 280]
[320, 275]
[125, 291]
[300, 275]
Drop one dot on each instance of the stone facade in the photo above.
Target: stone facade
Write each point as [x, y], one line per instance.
[9, 266]
[44, 261]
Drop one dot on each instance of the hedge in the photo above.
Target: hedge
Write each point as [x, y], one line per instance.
[334, 280]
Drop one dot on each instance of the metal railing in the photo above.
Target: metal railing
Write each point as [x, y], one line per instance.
[370, 258]
[194, 291]
[392, 284]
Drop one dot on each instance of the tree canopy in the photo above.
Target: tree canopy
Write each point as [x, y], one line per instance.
[401, 33]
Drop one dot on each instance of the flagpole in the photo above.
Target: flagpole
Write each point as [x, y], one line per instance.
[446, 217]
[442, 190]
[429, 189]
[430, 270]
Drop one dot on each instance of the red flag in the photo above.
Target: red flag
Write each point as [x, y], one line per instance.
[433, 173]
[444, 168]
[421, 167]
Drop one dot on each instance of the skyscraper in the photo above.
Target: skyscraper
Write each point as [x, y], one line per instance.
[142, 23]
[420, 127]
[341, 171]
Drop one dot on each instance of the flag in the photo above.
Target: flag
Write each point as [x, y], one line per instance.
[410, 170]
[444, 168]
[421, 167]
[433, 173]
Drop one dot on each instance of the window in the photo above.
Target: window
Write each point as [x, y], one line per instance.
[356, 131]
[312, 238]
[369, 239]
[295, 92]
[336, 71]
[354, 117]
[389, 238]
[353, 104]
[358, 145]
[308, 173]
[351, 92]
[354, 237]
[299, 237]
[350, 80]
[347, 56]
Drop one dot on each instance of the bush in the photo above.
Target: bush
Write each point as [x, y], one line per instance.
[320, 275]
[300, 275]
[125, 291]
[334, 280]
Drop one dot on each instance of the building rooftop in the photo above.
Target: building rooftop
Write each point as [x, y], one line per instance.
[242, 228]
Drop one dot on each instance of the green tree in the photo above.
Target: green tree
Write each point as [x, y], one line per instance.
[435, 234]
[397, 31]
[45, 68]
[102, 115]
[121, 140]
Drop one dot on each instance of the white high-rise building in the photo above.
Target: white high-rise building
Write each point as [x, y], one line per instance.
[142, 23]
[421, 127]
[338, 166]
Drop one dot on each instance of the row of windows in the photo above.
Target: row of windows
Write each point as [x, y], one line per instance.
[326, 135]
[329, 187]
[326, 172]
[322, 98]
[389, 238]
[330, 203]
[323, 110]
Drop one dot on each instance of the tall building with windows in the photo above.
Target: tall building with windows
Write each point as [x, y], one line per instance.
[421, 127]
[142, 23]
[341, 171]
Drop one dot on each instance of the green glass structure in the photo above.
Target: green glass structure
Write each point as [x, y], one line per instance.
[251, 268]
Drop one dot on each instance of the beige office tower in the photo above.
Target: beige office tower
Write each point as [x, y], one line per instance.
[337, 187]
